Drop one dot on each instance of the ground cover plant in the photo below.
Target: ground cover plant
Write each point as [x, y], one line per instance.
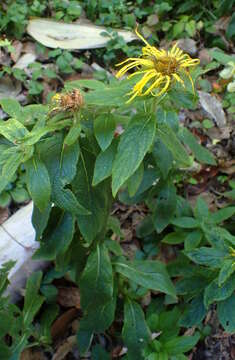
[109, 164]
[78, 162]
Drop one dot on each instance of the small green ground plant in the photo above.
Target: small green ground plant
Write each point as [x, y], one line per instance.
[17, 329]
[96, 144]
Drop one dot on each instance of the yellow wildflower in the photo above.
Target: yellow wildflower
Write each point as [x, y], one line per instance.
[160, 68]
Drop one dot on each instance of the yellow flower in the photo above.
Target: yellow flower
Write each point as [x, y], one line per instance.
[160, 68]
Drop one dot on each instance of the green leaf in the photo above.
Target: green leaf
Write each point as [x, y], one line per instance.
[185, 222]
[46, 320]
[40, 220]
[32, 300]
[163, 157]
[38, 182]
[7, 321]
[165, 207]
[226, 314]
[168, 117]
[98, 318]
[171, 141]
[4, 270]
[96, 284]
[220, 56]
[182, 98]
[194, 313]
[214, 292]
[114, 225]
[5, 351]
[9, 168]
[192, 285]
[36, 134]
[174, 238]
[61, 164]
[104, 126]
[135, 180]
[201, 210]
[217, 235]
[31, 113]
[13, 130]
[85, 83]
[12, 107]
[230, 194]
[145, 227]
[201, 153]
[134, 144]
[99, 353]
[181, 344]
[58, 237]
[73, 134]
[208, 256]
[230, 32]
[193, 239]
[226, 271]
[135, 331]
[114, 247]
[103, 164]
[84, 340]
[150, 274]
[95, 199]
[222, 214]
[66, 200]
[112, 95]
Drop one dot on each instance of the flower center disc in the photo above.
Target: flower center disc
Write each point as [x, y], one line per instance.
[166, 65]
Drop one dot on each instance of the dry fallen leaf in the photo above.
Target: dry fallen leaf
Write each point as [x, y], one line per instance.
[62, 322]
[32, 354]
[213, 108]
[65, 348]
[24, 61]
[69, 297]
[17, 50]
[188, 45]
[9, 89]
[81, 35]
[4, 214]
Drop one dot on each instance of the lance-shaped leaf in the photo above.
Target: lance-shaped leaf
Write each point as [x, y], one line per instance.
[171, 141]
[104, 126]
[38, 182]
[135, 331]
[58, 237]
[134, 144]
[61, 164]
[150, 274]
[9, 168]
[13, 130]
[95, 199]
[96, 283]
[165, 207]
[32, 301]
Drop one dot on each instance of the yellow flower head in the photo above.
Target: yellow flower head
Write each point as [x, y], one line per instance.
[160, 68]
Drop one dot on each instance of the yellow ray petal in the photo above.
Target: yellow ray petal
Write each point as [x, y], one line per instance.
[140, 72]
[164, 89]
[141, 84]
[177, 78]
[142, 38]
[154, 85]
